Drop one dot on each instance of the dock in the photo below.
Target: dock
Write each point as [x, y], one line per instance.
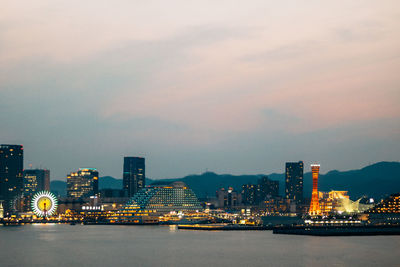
[224, 227]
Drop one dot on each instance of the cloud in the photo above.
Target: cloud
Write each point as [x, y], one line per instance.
[365, 31]
[287, 52]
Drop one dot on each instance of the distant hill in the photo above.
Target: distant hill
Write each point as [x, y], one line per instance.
[59, 188]
[110, 182]
[207, 183]
[376, 180]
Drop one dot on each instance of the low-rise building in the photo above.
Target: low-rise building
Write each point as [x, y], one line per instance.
[152, 201]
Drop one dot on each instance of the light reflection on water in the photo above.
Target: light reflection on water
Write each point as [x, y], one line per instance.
[79, 245]
[44, 224]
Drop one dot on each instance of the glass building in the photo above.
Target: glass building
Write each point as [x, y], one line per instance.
[268, 187]
[157, 200]
[83, 183]
[134, 175]
[11, 173]
[36, 180]
[294, 181]
[256, 194]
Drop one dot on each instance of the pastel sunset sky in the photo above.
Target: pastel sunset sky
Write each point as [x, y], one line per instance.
[235, 87]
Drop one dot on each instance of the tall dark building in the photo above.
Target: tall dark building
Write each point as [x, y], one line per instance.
[134, 175]
[294, 181]
[249, 192]
[36, 180]
[267, 187]
[256, 194]
[83, 183]
[11, 173]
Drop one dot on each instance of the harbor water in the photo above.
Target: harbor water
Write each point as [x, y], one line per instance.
[104, 245]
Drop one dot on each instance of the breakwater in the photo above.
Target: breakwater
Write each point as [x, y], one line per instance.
[368, 230]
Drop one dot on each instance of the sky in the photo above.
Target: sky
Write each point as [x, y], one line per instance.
[236, 87]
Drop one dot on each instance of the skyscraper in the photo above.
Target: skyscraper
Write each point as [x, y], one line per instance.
[11, 168]
[314, 205]
[83, 183]
[267, 187]
[256, 194]
[294, 181]
[134, 175]
[36, 180]
[249, 194]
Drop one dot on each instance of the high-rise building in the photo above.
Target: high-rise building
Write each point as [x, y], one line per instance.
[36, 180]
[249, 192]
[11, 173]
[294, 181]
[267, 187]
[256, 194]
[134, 175]
[314, 205]
[83, 183]
[228, 198]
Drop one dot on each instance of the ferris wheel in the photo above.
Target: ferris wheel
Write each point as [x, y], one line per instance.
[44, 204]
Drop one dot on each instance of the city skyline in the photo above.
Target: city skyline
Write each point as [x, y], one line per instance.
[230, 88]
[283, 170]
[199, 133]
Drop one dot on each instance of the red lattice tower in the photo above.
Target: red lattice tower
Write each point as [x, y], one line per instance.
[314, 205]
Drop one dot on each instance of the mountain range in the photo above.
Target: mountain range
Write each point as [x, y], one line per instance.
[376, 180]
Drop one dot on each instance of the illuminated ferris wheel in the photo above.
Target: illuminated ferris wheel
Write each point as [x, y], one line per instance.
[44, 204]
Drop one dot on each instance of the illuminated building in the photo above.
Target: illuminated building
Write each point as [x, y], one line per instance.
[249, 194]
[256, 194]
[11, 173]
[228, 198]
[314, 205]
[387, 211]
[346, 205]
[389, 205]
[279, 205]
[83, 183]
[36, 180]
[294, 181]
[330, 201]
[134, 175]
[340, 202]
[1, 210]
[267, 187]
[157, 200]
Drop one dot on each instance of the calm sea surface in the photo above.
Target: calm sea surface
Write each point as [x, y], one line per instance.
[78, 245]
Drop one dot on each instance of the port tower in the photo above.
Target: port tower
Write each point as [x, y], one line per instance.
[314, 205]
